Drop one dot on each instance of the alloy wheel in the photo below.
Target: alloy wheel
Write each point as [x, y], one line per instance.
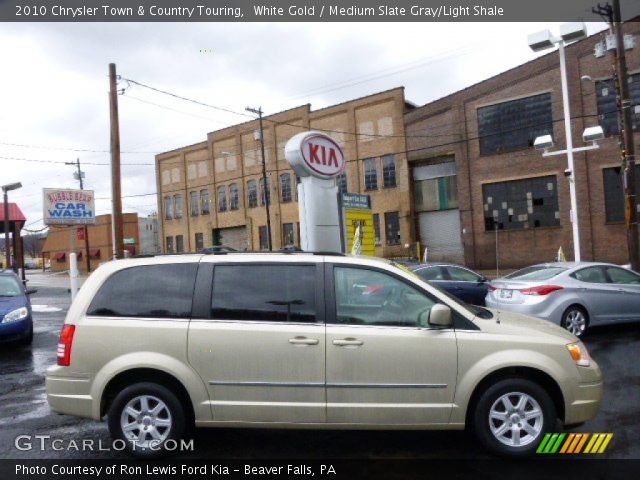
[516, 419]
[576, 322]
[146, 420]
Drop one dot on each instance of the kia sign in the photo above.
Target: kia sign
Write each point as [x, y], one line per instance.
[314, 154]
[68, 207]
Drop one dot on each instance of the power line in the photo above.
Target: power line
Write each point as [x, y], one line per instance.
[68, 149]
[62, 162]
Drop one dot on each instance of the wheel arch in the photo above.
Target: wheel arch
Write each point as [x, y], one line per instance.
[539, 377]
[132, 376]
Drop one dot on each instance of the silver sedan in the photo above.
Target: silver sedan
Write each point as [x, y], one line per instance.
[573, 295]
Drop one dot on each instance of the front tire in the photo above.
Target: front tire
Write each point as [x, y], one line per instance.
[575, 320]
[512, 416]
[145, 416]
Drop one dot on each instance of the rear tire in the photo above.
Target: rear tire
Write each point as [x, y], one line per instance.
[576, 320]
[145, 416]
[512, 416]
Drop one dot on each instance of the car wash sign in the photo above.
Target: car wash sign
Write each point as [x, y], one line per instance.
[68, 207]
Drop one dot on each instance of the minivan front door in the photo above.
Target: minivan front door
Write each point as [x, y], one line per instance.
[261, 352]
[384, 364]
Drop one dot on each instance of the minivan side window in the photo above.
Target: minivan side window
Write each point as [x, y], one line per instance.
[271, 293]
[369, 297]
[149, 291]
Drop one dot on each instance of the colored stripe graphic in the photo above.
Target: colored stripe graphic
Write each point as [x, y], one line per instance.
[574, 443]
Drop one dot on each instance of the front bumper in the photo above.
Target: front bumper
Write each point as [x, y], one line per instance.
[17, 329]
[68, 394]
[586, 397]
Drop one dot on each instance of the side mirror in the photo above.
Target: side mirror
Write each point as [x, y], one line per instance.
[483, 279]
[440, 316]
[31, 291]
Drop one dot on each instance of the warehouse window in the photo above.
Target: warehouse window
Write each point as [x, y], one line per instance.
[199, 237]
[518, 204]
[607, 104]
[222, 198]
[388, 171]
[204, 202]
[614, 193]
[177, 201]
[233, 197]
[341, 182]
[376, 229]
[265, 191]
[252, 194]
[263, 238]
[392, 228]
[193, 197]
[436, 194]
[515, 124]
[370, 174]
[168, 211]
[287, 234]
[285, 187]
[179, 244]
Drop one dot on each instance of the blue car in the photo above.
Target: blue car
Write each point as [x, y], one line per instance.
[16, 323]
[465, 284]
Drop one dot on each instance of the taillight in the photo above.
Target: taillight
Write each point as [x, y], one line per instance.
[491, 288]
[540, 290]
[64, 345]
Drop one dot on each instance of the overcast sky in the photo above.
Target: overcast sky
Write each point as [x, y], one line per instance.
[53, 91]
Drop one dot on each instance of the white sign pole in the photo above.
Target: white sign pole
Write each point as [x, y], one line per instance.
[317, 159]
[73, 274]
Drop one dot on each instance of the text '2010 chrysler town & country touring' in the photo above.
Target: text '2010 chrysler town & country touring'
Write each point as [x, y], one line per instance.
[295, 340]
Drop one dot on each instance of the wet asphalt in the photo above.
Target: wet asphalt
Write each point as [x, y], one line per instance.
[24, 410]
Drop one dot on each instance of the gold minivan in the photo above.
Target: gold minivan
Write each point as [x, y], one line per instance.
[304, 340]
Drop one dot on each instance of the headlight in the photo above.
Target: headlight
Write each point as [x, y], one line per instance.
[16, 315]
[579, 354]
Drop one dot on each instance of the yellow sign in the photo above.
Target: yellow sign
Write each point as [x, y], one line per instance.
[354, 217]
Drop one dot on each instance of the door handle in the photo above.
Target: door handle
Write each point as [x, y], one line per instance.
[348, 342]
[303, 341]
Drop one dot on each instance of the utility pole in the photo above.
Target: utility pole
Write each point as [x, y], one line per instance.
[116, 192]
[628, 147]
[79, 174]
[265, 185]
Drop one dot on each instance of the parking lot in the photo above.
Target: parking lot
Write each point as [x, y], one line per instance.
[24, 410]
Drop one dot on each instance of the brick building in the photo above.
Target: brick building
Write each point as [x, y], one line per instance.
[59, 240]
[211, 193]
[473, 167]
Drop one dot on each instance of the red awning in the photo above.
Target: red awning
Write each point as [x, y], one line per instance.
[59, 256]
[15, 214]
[94, 253]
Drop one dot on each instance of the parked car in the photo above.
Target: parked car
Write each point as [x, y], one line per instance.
[16, 322]
[573, 295]
[289, 339]
[467, 285]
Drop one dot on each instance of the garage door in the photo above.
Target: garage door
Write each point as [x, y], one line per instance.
[235, 237]
[440, 234]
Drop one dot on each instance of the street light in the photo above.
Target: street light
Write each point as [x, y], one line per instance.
[5, 189]
[569, 32]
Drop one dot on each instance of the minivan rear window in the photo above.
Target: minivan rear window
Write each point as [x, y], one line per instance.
[272, 293]
[150, 291]
[537, 272]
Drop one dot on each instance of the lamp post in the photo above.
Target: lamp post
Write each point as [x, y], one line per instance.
[265, 184]
[7, 247]
[544, 40]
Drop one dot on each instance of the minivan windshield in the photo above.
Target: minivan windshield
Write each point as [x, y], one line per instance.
[537, 272]
[9, 287]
